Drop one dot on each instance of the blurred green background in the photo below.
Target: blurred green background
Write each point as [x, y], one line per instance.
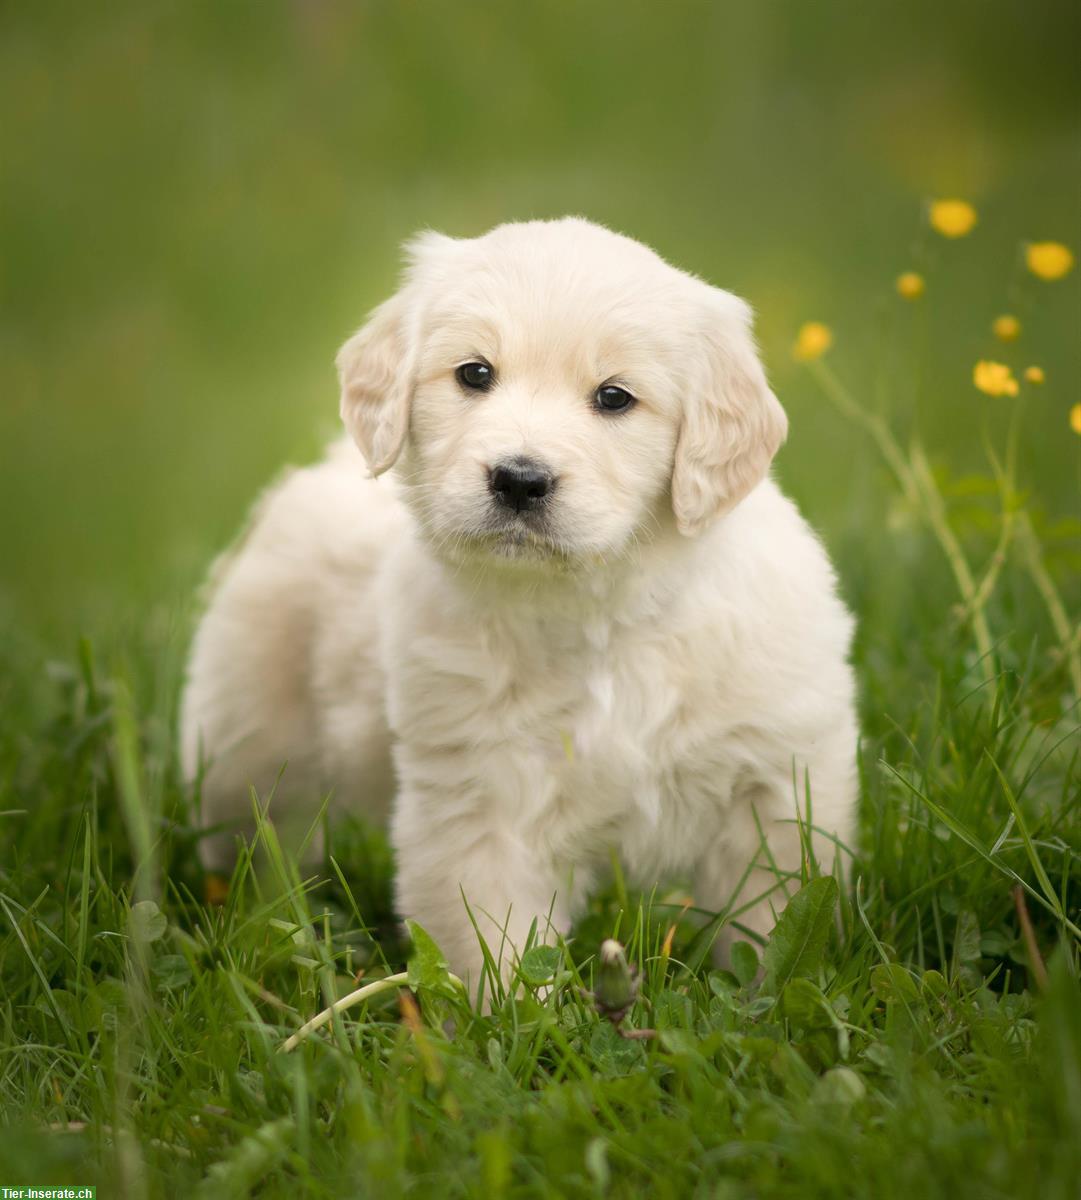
[199, 201]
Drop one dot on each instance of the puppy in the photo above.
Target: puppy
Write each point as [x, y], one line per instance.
[564, 610]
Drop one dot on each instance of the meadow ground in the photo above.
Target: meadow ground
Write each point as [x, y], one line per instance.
[915, 1031]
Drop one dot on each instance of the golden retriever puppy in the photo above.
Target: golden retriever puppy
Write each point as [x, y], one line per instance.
[552, 607]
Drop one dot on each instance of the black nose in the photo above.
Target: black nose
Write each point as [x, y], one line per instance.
[520, 483]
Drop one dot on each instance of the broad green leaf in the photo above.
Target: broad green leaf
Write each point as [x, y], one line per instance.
[539, 964]
[807, 1008]
[427, 966]
[761, 1049]
[803, 1003]
[679, 1041]
[935, 983]
[612, 1054]
[799, 937]
[171, 971]
[881, 1056]
[995, 944]
[966, 947]
[744, 962]
[722, 983]
[106, 1005]
[672, 1010]
[966, 943]
[890, 981]
[62, 1004]
[147, 922]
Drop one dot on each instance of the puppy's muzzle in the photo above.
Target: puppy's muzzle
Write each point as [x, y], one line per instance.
[520, 484]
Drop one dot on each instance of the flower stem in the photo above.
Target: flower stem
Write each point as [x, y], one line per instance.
[872, 423]
[1068, 634]
[917, 483]
[935, 510]
[364, 993]
[1004, 474]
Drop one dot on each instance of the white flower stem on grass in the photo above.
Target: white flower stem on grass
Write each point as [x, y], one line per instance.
[363, 993]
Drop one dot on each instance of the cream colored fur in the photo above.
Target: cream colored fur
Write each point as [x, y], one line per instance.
[658, 671]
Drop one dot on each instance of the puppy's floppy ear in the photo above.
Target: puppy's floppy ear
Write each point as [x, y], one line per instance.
[732, 423]
[376, 367]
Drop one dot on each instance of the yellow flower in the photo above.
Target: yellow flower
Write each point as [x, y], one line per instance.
[1048, 260]
[994, 379]
[910, 285]
[812, 341]
[1035, 374]
[952, 218]
[1075, 418]
[1006, 328]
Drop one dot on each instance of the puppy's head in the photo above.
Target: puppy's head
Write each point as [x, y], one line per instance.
[547, 388]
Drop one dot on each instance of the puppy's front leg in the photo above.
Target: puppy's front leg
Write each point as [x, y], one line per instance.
[451, 866]
[756, 863]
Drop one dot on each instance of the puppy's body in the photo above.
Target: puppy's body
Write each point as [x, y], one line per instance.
[652, 659]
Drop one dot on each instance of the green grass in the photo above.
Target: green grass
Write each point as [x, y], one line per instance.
[198, 203]
[141, 1031]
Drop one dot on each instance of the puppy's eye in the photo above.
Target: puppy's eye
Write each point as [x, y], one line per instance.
[475, 376]
[611, 399]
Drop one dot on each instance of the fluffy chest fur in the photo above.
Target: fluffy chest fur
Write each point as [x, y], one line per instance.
[584, 716]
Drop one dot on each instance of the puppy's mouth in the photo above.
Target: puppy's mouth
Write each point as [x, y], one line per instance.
[520, 536]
